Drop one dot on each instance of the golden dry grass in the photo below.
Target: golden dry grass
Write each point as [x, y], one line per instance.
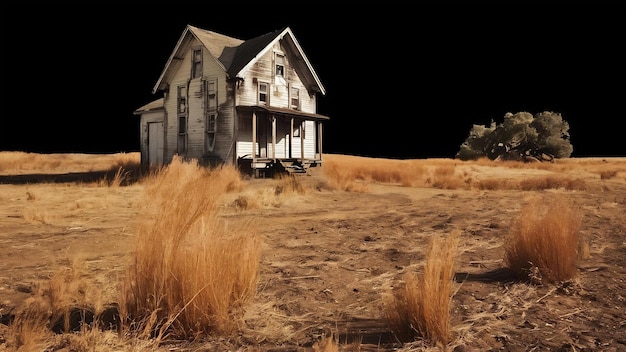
[178, 230]
[420, 308]
[353, 173]
[545, 240]
[17, 162]
[191, 274]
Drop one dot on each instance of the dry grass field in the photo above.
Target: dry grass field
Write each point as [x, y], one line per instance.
[361, 254]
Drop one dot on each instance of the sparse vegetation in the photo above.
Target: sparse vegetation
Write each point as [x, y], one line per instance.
[350, 173]
[186, 217]
[545, 240]
[421, 306]
[164, 292]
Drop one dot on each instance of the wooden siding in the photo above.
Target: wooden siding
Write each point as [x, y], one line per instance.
[263, 70]
[196, 118]
[247, 94]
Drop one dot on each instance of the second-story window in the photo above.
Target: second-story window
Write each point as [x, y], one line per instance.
[182, 99]
[263, 96]
[211, 95]
[182, 119]
[196, 63]
[295, 98]
[280, 65]
[210, 114]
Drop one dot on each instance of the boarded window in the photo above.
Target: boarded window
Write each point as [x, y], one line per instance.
[196, 63]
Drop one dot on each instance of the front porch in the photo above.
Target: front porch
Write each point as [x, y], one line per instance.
[272, 140]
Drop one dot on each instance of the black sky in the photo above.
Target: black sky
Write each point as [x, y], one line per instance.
[401, 82]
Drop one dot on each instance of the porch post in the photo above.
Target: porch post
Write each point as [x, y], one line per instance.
[319, 138]
[274, 137]
[302, 135]
[254, 145]
[291, 139]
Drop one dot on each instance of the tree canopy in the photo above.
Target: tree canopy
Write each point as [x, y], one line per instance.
[520, 136]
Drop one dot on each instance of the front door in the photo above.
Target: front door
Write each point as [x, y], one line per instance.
[155, 143]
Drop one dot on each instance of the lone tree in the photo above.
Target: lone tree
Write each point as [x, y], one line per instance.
[521, 136]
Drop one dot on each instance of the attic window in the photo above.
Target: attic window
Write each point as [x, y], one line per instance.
[280, 65]
[196, 64]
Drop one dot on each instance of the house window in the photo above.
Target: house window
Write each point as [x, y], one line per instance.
[295, 98]
[263, 96]
[211, 95]
[296, 130]
[210, 114]
[182, 119]
[182, 134]
[182, 99]
[211, 122]
[196, 63]
[280, 65]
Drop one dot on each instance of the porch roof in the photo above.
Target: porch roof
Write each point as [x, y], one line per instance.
[282, 111]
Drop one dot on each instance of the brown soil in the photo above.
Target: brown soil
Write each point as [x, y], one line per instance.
[330, 256]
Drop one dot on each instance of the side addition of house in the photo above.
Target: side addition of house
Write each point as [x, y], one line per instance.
[224, 100]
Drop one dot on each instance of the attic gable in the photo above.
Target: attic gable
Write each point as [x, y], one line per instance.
[252, 50]
[222, 49]
[236, 56]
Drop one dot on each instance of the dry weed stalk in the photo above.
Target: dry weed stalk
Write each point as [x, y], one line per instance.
[326, 344]
[289, 184]
[29, 330]
[190, 273]
[421, 307]
[545, 240]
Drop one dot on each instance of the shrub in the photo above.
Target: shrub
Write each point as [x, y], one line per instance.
[190, 275]
[421, 306]
[545, 240]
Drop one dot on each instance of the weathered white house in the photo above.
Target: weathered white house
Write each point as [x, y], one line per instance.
[226, 100]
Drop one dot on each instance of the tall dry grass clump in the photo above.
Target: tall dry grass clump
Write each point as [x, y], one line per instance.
[191, 273]
[66, 303]
[29, 331]
[545, 240]
[421, 306]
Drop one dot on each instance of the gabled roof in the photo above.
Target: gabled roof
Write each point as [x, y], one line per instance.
[249, 50]
[236, 56]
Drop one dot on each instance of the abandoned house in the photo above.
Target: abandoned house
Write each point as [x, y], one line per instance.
[225, 100]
